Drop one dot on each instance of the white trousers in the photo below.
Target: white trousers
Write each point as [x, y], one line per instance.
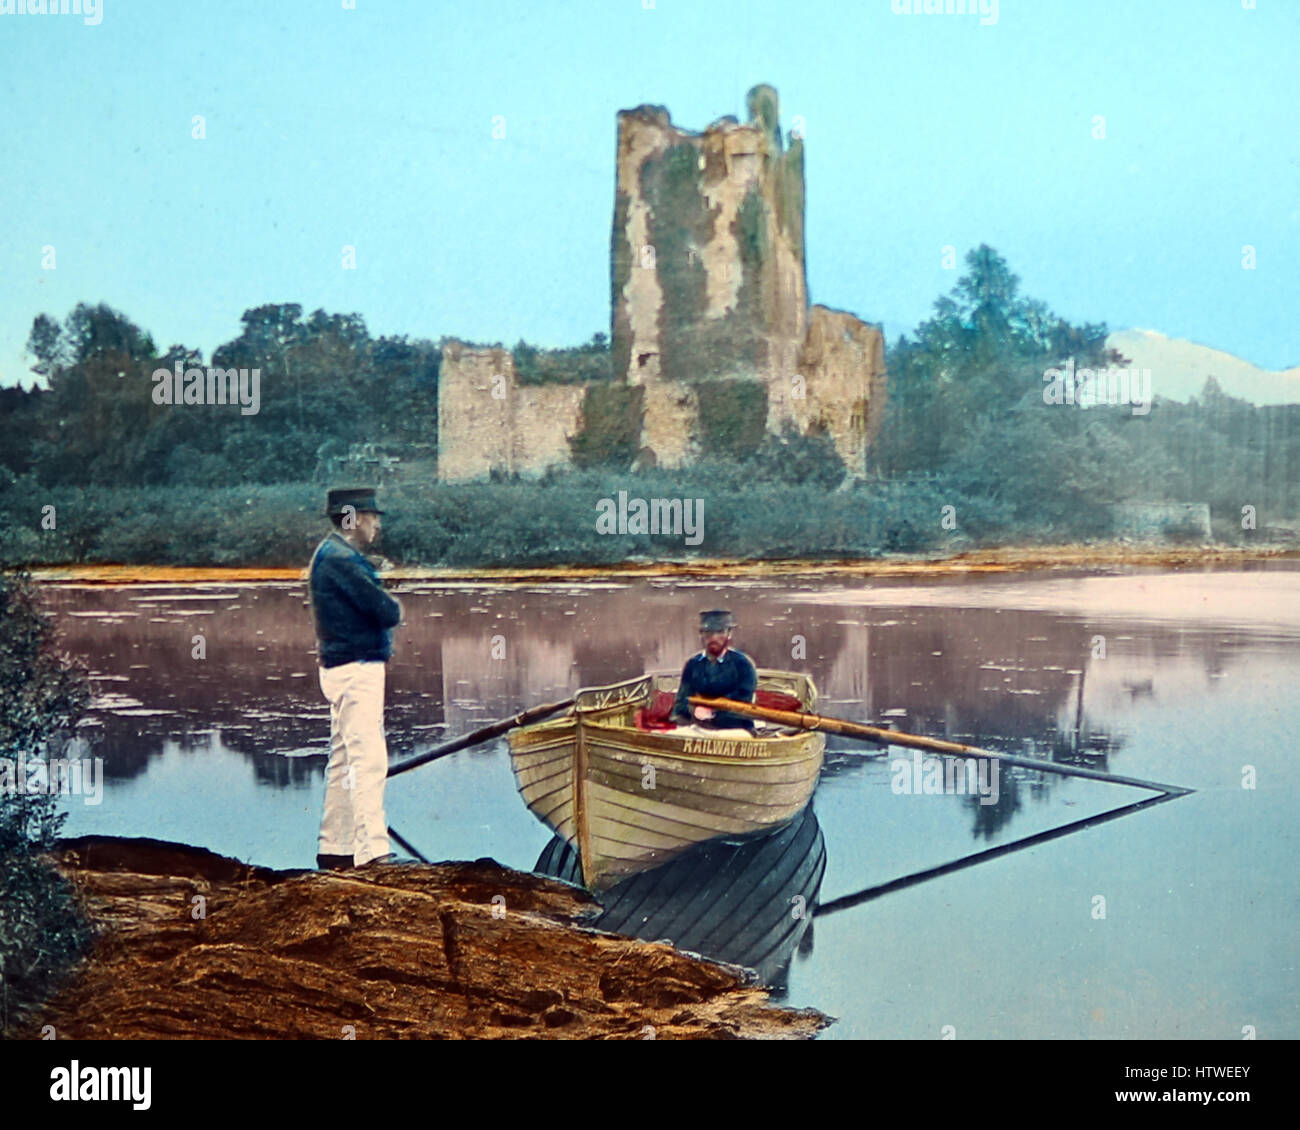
[353, 822]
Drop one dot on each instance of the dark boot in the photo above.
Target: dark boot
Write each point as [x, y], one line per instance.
[333, 862]
[390, 858]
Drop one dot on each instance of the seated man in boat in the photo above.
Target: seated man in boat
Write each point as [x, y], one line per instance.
[719, 671]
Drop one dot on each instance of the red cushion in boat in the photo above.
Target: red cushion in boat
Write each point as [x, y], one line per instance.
[659, 714]
[644, 723]
[777, 700]
[661, 709]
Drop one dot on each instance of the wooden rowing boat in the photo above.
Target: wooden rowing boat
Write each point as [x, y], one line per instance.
[748, 904]
[628, 799]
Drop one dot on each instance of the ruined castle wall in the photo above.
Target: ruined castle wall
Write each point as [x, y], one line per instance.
[487, 421]
[473, 425]
[707, 283]
[840, 385]
[707, 260]
[547, 416]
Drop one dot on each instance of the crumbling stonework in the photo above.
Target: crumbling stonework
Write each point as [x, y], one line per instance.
[841, 392]
[488, 421]
[708, 246]
[707, 283]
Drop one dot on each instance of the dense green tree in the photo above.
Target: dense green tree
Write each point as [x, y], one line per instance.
[42, 931]
[100, 407]
[20, 419]
[966, 402]
[971, 366]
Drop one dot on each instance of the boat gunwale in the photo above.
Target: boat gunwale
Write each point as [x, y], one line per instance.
[589, 718]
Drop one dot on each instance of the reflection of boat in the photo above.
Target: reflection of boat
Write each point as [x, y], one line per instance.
[628, 798]
[746, 903]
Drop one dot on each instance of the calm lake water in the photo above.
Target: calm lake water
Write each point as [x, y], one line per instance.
[1181, 920]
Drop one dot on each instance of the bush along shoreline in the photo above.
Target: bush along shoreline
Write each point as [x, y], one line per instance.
[43, 928]
[582, 518]
[578, 518]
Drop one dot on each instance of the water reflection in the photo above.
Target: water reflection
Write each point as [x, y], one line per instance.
[1191, 683]
[902, 882]
[994, 663]
[749, 903]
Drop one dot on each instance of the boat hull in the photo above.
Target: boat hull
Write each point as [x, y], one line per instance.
[747, 904]
[628, 800]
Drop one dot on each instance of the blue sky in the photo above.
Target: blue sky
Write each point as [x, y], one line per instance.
[374, 127]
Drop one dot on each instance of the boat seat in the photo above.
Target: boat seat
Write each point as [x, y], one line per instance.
[777, 700]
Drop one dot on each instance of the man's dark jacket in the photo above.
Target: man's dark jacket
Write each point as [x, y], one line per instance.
[355, 617]
[733, 676]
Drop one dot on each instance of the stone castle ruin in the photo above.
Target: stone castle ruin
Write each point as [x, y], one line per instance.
[708, 289]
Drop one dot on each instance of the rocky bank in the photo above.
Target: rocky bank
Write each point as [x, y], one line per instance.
[192, 945]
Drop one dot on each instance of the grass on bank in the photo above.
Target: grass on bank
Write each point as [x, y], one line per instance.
[552, 521]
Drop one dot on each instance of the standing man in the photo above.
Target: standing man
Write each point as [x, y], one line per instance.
[718, 671]
[355, 619]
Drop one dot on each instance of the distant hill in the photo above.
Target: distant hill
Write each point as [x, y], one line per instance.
[1179, 368]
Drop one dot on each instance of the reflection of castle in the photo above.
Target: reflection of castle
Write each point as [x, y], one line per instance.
[1019, 680]
[708, 283]
[467, 654]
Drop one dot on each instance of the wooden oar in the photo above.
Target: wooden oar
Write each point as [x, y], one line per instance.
[405, 844]
[857, 898]
[879, 736]
[475, 737]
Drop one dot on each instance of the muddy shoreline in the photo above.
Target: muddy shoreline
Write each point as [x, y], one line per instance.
[1003, 560]
[193, 945]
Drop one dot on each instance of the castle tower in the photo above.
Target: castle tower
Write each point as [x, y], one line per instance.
[707, 261]
[707, 284]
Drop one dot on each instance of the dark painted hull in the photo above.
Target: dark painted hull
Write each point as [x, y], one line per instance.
[745, 903]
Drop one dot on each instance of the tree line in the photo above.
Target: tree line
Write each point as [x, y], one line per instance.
[326, 385]
[966, 426]
[967, 407]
